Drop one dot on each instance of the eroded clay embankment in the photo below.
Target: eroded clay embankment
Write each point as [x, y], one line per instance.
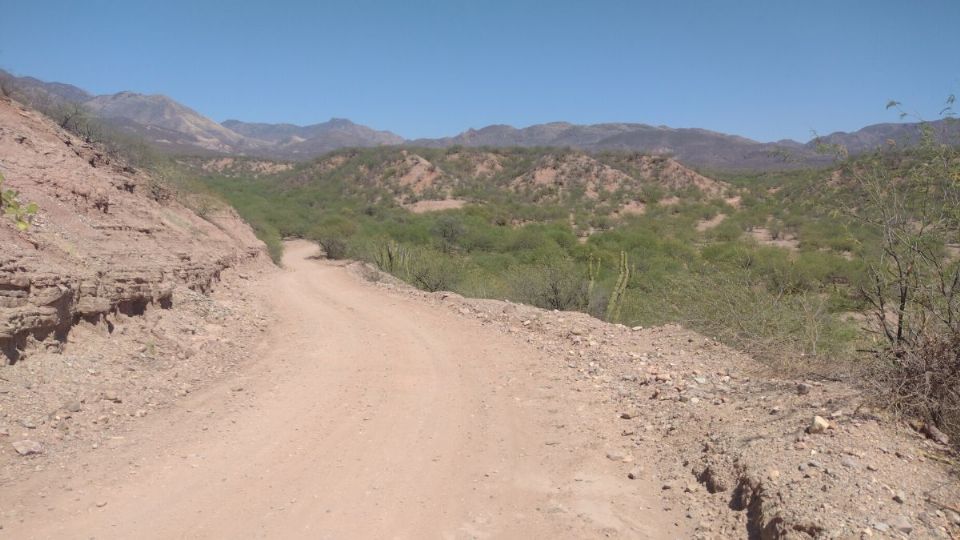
[107, 239]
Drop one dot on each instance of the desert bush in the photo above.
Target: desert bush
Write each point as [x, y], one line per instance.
[556, 284]
[912, 286]
[739, 310]
[922, 381]
[333, 234]
[433, 271]
[448, 229]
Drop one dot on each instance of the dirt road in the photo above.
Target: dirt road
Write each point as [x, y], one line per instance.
[364, 415]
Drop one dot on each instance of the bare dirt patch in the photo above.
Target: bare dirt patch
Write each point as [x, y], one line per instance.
[764, 236]
[706, 224]
[669, 201]
[417, 173]
[421, 207]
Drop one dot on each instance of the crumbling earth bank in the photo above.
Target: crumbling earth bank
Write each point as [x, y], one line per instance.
[117, 299]
[107, 239]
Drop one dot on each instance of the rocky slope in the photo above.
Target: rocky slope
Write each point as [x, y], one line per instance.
[167, 123]
[107, 240]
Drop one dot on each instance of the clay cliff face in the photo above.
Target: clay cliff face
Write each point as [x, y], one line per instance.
[106, 239]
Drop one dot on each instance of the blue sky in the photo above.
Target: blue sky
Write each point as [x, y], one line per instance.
[765, 69]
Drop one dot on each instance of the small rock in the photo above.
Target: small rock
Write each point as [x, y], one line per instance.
[850, 463]
[28, 423]
[901, 523]
[617, 455]
[101, 504]
[627, 415]
[900, 497]
[635, 473]
[818, 425]
[881, 526]
[73, 406]
[804, 388]
[27, 447]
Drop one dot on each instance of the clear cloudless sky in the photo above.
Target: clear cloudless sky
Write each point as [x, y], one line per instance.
[765, 69]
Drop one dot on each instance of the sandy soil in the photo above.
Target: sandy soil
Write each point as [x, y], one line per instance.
[364, 414]
[431, 205]
[706, 224]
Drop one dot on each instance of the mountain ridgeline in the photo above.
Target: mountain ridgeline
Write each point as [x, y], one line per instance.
[175, 128]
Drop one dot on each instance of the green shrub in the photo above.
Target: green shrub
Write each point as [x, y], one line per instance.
[10, 205]
[434, 271]
[333, 235]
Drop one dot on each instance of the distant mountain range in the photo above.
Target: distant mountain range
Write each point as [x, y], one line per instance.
[176, 128]
[306, 142]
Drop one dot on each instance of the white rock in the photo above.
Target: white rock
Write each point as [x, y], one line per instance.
[818, 425]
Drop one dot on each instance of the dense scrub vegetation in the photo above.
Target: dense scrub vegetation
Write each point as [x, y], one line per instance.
[774, 298]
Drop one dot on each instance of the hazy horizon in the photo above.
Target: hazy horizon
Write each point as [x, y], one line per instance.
[433, 69]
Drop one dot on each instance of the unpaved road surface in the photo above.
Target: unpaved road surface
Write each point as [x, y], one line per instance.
[362, 415]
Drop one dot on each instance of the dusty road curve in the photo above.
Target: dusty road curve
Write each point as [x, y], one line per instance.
[365, 415]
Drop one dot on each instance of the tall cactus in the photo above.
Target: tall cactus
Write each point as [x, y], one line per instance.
[593, 272]
[616, 297]
[391, 257]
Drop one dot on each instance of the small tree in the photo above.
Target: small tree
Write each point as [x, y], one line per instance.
[449, 229]
[912, 201]
[554, 284]
[434, 271]
[333, 235]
